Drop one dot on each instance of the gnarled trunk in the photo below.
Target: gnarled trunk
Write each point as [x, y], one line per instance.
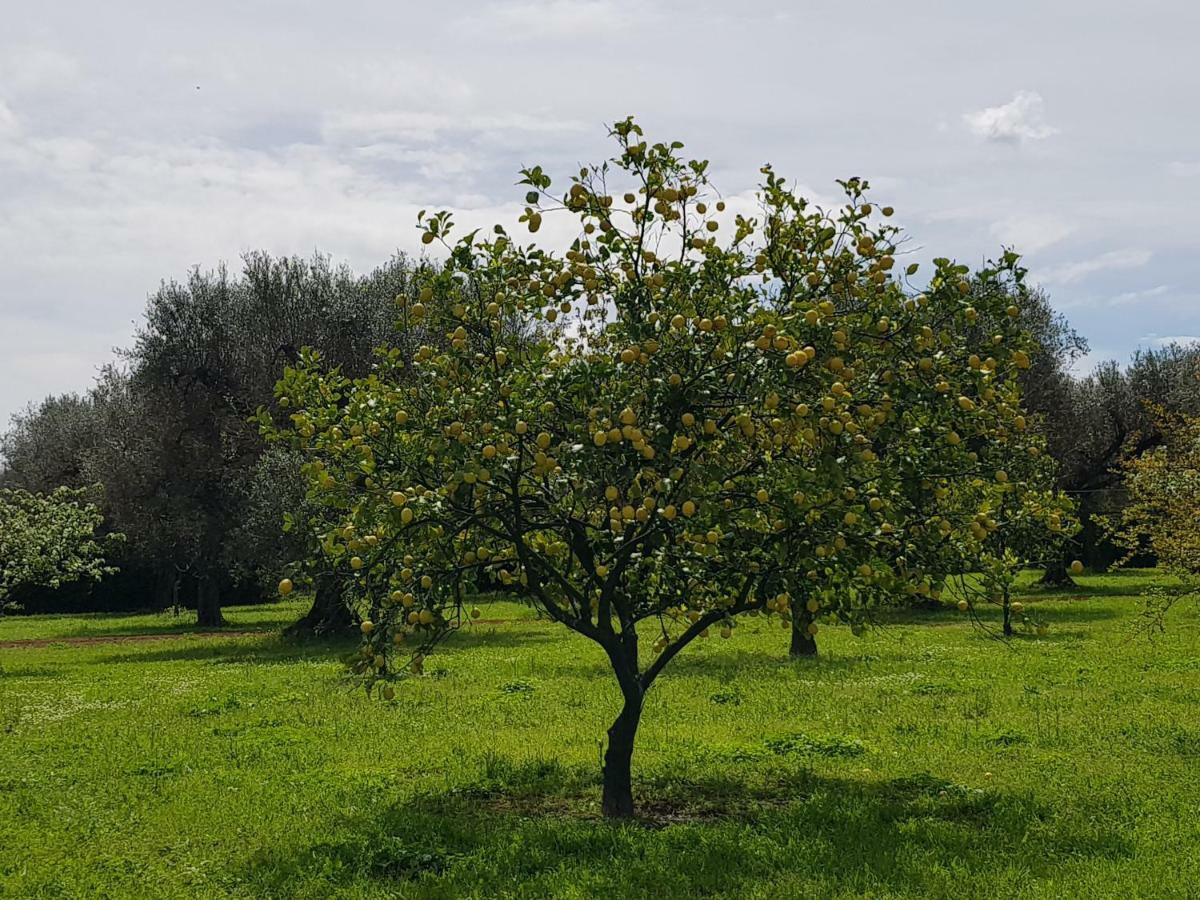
[328, 615]
[803, 643]
[617, 801]
[208, 603]
[1056, 575]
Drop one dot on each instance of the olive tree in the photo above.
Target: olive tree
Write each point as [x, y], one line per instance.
[207, 355]
[718, 425]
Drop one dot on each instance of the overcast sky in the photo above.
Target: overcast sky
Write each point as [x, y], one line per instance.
[139, 139]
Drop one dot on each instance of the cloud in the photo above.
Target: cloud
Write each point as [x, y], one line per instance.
[1086, 364]
[553, 18]
[9, 126]
[1168, 339]
[1014, 122]
[1031, 232]
[1069, 273]
[1184, 169]
[414, 127]
[1134, 296]
[137, 140]
[34, 68]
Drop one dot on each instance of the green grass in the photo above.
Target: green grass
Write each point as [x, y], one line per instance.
[923, 760]
[264, 617]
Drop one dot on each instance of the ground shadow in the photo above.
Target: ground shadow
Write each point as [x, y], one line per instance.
[30, 671]
[529, 826]
[1130, 586]
[272, 647]
[118, 624]
[992, 615]
[488, 636]
[737, 661]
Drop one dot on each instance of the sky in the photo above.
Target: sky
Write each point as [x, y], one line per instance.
[141, 139]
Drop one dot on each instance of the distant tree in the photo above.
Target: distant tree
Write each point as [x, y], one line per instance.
[1098, 421]
[47, 445]
[207, 357]
[49, 540]
[1005, 496]
[146, 462]
[1022, 523]
[166, 431]
[1163, 491]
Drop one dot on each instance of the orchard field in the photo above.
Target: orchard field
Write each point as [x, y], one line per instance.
[924, 759]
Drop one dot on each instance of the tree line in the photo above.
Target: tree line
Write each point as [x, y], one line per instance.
[164, 438]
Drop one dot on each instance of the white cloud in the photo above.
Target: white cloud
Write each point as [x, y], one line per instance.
[1184, 169]
[1167, 339]
[1017, 121]
[420, 127]
[1031, 232]
[554, 18]
[122, 163]
[1113, 260]
[9, 126]
[1087, 363]
[1135, 296]
[37, 68]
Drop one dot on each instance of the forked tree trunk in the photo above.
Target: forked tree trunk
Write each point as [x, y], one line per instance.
[803, 643]
[329, 614]
[617, 801]
[208, 603]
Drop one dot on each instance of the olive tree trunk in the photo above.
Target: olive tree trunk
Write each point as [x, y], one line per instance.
[208, 603]
[329, 614]
[803, 643]
[1056, 575]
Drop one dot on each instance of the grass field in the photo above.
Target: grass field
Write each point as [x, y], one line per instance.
[923, 760]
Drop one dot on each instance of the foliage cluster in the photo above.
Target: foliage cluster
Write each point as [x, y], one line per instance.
[47, 540]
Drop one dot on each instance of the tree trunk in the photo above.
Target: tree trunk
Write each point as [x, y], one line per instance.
[1008, 629]
[803, 643]
[617, 802]
[1056, 575]
[165, 590]
[328, 615]
[208, 603]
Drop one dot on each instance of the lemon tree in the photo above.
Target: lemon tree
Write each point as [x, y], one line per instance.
[1163, 486]
[689, 414]
[1014, 520]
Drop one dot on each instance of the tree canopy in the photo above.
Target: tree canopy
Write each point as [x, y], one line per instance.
[1163, 487]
